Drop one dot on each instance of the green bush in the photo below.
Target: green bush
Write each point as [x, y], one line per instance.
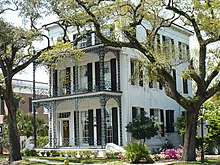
[33, 152]
[42, 141]
[54, 153]
[95, 153]
[27, 152]
[71, 153]
[86, 154]
[136, 152]
[112, 155]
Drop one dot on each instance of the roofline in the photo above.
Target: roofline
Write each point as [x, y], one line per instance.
[183, 28]
[29, 81]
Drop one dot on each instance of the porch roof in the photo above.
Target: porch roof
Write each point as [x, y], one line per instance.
[79, 95]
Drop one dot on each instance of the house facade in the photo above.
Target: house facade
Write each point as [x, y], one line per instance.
[92, 101]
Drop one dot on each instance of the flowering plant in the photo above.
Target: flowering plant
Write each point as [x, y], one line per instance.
[173, 154]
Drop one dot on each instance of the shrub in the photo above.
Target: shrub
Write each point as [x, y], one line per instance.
[48, 153]
[167, 145]
[27, 152]
[86, 154]
[42, 141]
[71, 153]
[55, 153]
[95, 153]
[112, 155]
[137, 151]
[42, 153]
[33, 152]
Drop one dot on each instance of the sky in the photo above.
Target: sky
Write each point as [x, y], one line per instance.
[27, 74]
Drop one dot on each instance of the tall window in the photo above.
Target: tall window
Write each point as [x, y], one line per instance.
[136, 72]
[136, 111]
[159, 115]
[180, 49]
[170, 121]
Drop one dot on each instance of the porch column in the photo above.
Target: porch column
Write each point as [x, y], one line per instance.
[103, 119]
[76, 85]
[50, 125]
[119, 70]
[120, 122]
[76, 123]
[54, 118]
[101, 61]
[50, 85]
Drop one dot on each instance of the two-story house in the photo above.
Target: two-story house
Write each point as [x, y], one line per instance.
[92, 101]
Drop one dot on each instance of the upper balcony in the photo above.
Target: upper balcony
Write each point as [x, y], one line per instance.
[86, 88]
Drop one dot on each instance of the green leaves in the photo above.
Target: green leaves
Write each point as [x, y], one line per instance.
[60, 54]
[142, 127]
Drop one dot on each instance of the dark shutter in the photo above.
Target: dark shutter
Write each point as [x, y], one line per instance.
[180, 50]
[113, 75]
[115, 124]
[185, 86]
[132, 72]
[160, 86]
[74, 78]
[55, 83]
[89, 76]
[162, 121]
[89, 40]
[172, 46]
[68, 81]
[91, 127]
[150, 84]
[151, 112]
[134, 113]
[141, 78]
[142, 113]
[158, 43]
[170, 121]
[99, 126]
[2, 107]
[30, 104]
[174, 76]
[164, 46]
[97, 76]
[75, 125]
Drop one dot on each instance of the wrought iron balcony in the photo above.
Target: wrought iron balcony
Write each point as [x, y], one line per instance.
[85, 88]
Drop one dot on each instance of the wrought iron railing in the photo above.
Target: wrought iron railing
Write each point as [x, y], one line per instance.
[82, 142]
[85, 88]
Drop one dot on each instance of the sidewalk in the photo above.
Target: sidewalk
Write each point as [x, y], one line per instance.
[59, 162]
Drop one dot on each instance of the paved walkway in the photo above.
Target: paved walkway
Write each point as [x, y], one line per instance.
[59, 162]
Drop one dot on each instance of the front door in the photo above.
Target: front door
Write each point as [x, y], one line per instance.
[65, 133]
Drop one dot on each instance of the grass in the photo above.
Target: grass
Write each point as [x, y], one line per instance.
[25, 161]
[86, 160]
[208, 160]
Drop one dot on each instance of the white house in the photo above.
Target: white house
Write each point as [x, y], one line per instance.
[92, 101]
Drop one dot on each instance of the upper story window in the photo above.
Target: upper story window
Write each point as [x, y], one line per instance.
[136, 72]
[155, 84]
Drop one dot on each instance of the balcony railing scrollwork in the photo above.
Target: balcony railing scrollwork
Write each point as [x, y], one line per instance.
[85, 88]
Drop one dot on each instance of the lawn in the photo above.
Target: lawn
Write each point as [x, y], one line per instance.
[25, 161]
[208, 160]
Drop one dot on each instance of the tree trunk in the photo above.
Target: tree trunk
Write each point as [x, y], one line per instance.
[13, 136]
[14, 139]
[189, 152]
